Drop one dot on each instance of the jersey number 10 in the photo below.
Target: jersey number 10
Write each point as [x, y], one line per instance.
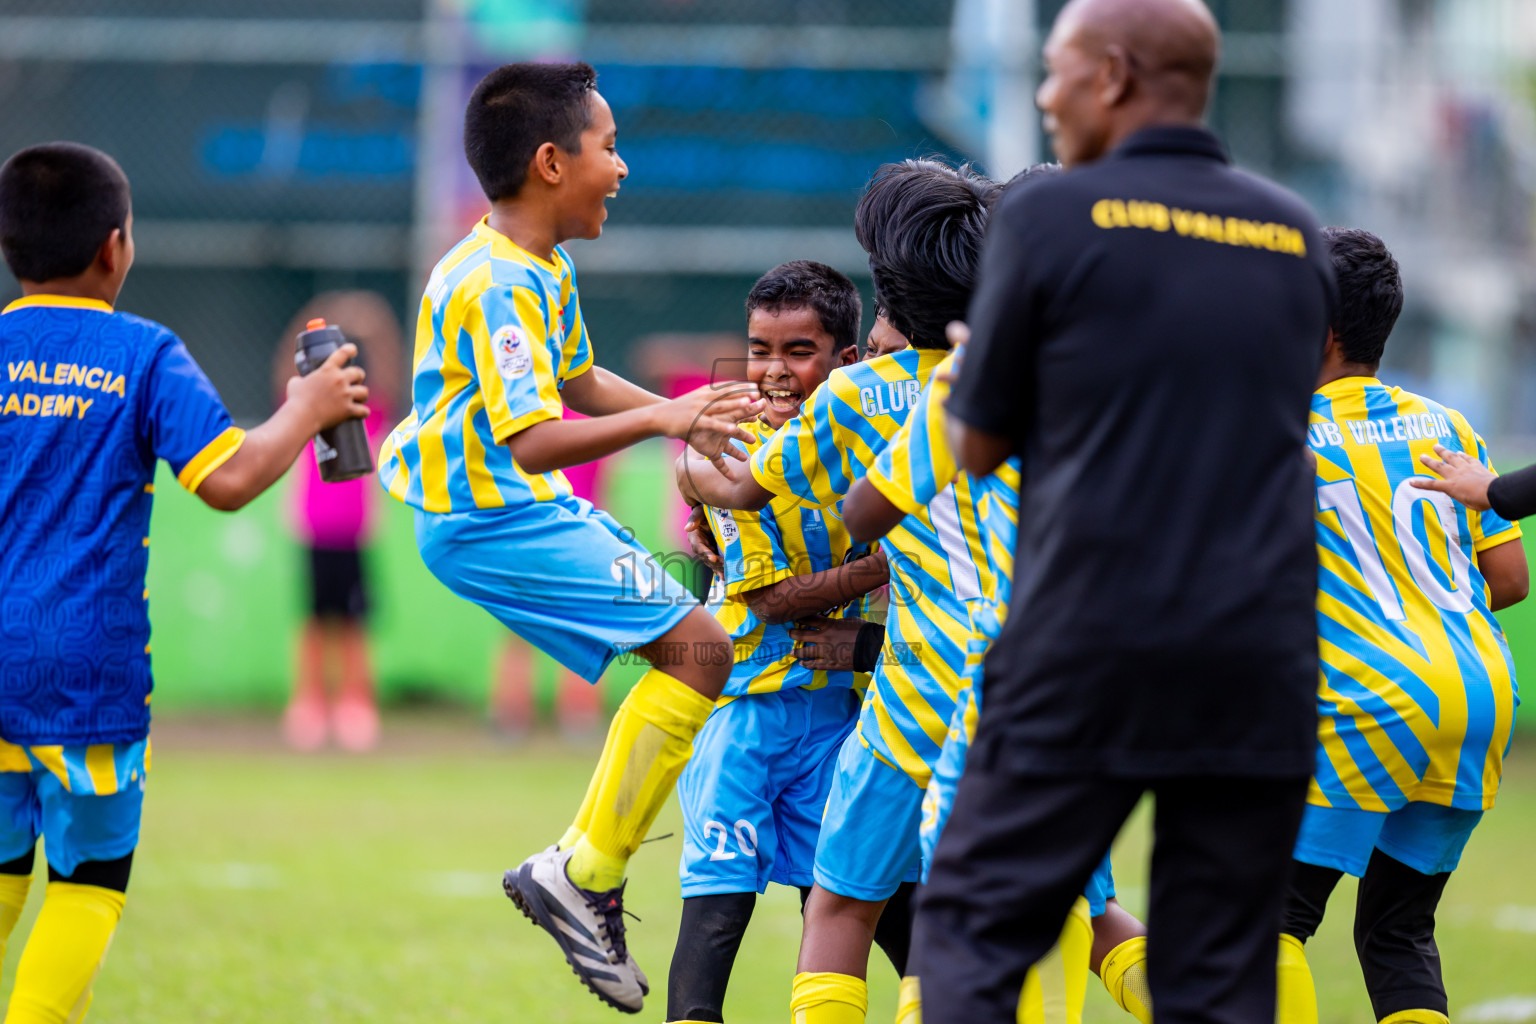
[1343, 498]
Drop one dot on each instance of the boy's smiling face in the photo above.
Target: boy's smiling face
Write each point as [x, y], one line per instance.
[594, 173]
[789, 354]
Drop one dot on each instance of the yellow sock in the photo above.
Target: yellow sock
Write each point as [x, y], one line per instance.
[1055, 988]
[1032, 1008]
[649, 742]
[909, 1002]
[823, 998]
[1295, 994]
[69, 940]
[1076, 944]
[1416, 1017]
[13, 897]
[1124, 971]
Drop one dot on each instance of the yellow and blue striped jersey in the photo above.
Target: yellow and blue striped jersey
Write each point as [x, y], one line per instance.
[933, 555]
[1417, 690]
[498, 334]
[917, 468]
[760, 549]
[96, 769]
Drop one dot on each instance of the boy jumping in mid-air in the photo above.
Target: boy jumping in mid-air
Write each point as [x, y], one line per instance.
[922, 223]
[753, 794]
[1417, 689]
[92, 399]
[501, 349]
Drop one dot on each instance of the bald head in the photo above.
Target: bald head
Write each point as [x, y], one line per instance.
[1116, 66]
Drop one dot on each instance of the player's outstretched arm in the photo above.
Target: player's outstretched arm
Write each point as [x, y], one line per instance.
[600, 392]
[714, 481]
[799, 597]
[331, 394]
[707, 419]
[1512, 496]
[868, 514]
[1507, 572]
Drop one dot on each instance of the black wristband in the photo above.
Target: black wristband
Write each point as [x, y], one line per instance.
[1514, 496]
[866, 647]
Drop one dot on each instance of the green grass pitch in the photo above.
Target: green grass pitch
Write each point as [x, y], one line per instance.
[276, 887]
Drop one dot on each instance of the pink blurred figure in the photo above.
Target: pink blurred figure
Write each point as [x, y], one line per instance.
[333, 692]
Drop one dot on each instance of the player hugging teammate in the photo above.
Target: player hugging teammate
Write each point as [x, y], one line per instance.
[916, 475]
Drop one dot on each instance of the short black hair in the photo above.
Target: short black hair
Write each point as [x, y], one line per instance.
[58, 203]
[515, 110]
[806, 284]
[1370, 293]
[922, 223]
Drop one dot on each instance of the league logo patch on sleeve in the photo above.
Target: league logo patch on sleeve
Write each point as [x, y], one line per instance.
[514, 359]
[728, 531]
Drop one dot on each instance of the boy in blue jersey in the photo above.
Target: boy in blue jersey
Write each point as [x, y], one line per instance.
[1417, 690]
[922, 223]
[753, 794]
[501, 349]
[91, 400]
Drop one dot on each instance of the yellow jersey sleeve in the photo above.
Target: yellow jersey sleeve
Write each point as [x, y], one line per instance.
[1488, 528]
[752, 548]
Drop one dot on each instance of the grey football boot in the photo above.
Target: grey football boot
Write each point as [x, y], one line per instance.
[588, 927]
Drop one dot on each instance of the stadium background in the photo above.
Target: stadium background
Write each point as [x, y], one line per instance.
[280, 148]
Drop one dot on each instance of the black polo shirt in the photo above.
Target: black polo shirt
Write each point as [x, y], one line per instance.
[1148, 330]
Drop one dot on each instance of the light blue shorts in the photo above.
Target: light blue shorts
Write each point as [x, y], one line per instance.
[940, 800]
[869, 843]
[1426, 837]
[1100, 889]
[561, 574]
[753, 792]
[75, 827]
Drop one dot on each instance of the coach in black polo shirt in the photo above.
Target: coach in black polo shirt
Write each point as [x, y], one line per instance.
[1147, 330]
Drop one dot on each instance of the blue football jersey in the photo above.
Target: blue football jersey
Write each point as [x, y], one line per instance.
[89, 400]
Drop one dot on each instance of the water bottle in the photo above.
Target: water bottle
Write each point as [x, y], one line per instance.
[341, 452]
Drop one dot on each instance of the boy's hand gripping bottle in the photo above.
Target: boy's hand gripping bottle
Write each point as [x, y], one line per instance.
[341, 452]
